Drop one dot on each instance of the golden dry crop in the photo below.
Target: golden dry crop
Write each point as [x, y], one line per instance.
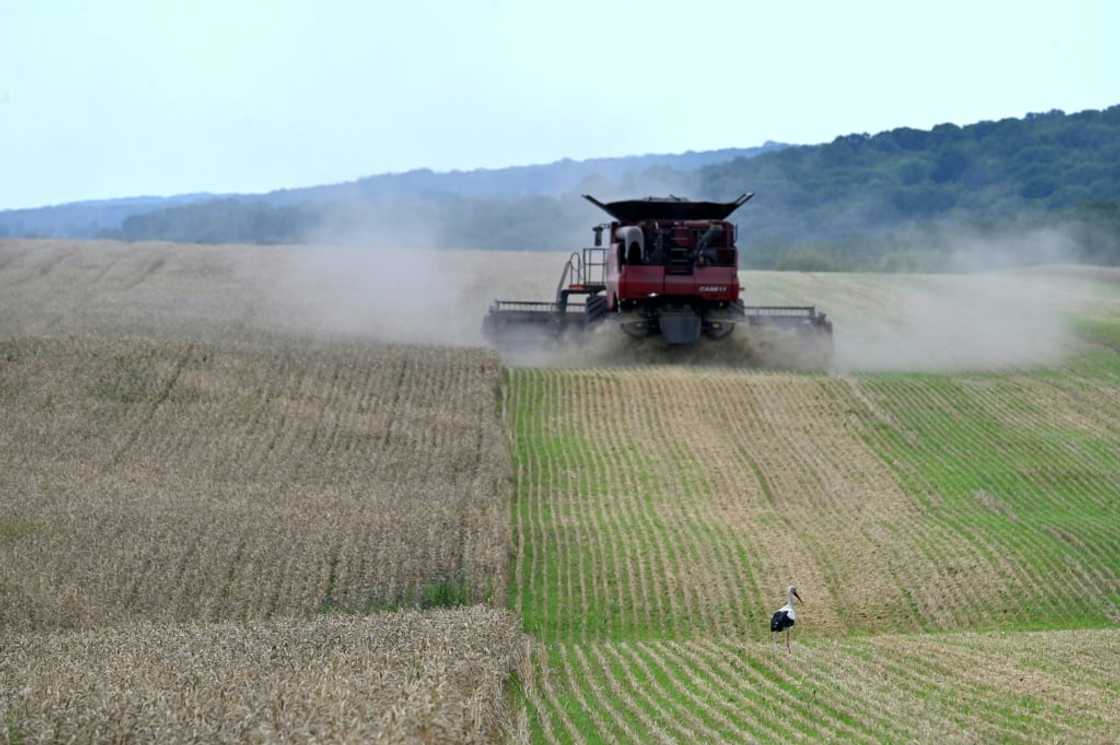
[178, 481]
[254, 456]
[181, 444]
[258, 294]
[255, 293]
[404, 677]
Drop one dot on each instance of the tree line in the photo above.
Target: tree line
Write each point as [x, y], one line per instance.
[890, 201]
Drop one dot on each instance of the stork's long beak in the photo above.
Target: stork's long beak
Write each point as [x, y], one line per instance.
[797, 596]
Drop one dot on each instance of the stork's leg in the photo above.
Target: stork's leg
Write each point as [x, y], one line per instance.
[787, 641]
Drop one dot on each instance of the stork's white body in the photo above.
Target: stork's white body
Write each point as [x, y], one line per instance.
[785, 617]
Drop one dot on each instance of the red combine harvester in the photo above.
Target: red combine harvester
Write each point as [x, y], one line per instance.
[669, 268]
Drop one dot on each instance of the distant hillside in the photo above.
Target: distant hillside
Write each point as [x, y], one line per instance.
[1034, 169]
[1042, 188]
[268, 211]
[1045, 187]
[85, 219]
[561, 177]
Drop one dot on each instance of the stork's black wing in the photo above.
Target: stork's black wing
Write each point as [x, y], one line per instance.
[780, 621]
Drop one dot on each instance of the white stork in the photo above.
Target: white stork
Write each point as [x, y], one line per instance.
[785, 616]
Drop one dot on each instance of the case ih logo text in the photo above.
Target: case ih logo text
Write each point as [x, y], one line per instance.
[713, 288]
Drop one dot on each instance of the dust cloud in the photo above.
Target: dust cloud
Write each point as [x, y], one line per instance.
[401, 288]
[393, 295]
[608, 346]
[369, 276]
[980, 314]
[973, 322]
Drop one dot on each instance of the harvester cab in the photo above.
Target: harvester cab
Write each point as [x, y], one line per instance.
[665, 267]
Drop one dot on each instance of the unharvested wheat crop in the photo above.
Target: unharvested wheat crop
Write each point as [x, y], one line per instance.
[434, 677]
[258, 293]
[176, 481]
[658, 512]
[883, 321]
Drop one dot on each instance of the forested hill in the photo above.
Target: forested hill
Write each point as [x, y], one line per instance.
[989, 170]
[253, 217]
[898, 199]
[855, 200]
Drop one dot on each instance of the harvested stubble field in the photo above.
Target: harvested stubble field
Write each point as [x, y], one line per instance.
[661, 503]
[434, 677]
[660, 513]
[1026, 687]
[956, 536]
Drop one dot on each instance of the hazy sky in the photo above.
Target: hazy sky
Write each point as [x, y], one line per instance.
[115, 98]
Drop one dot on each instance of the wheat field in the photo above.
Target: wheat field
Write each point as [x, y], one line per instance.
[1022, 687]
[251, 294]
[209, 514]
[225, 469]
[259, 294]
[174, 481]
[660, 513]
[399, 677]
[668, 504]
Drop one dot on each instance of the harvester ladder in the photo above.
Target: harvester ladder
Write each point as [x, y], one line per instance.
[573, 269]
[579, 276]
[594, 266]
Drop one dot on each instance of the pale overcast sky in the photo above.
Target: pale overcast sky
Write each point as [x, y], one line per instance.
[115, 98]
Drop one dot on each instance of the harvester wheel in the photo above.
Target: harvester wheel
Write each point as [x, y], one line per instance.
[637, 330]
[719, 330]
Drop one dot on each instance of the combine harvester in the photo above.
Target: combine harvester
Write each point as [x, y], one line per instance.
[667, 267]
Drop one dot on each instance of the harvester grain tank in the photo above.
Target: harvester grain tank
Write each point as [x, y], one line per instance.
[662, 267]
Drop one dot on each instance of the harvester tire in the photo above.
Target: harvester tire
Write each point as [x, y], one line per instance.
[723, 331]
